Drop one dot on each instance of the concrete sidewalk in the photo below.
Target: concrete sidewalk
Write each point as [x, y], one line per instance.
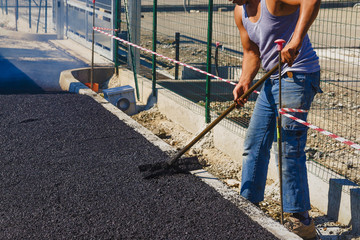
[31, 63]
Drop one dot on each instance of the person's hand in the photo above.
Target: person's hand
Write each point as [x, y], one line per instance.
[289, 54]
[238, 91]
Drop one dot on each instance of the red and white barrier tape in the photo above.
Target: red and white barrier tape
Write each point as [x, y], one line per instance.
[293, 110]
[282, 110]
[106, 29]
[167, 58]
[322, 131]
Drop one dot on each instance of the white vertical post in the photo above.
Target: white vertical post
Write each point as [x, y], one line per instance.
[60, 19]
[134, 7]
[86, 19]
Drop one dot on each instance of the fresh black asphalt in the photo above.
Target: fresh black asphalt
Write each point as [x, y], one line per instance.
[69, 170]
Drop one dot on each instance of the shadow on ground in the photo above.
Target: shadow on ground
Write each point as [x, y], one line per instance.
[14, 81]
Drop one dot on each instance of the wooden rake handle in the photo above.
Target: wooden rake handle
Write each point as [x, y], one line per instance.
[223, 115]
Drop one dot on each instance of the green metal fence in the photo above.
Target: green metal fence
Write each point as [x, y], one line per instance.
[29, 14]
[335, 36]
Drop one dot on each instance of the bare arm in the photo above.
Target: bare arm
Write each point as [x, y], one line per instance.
[309, 10]
[251, 59]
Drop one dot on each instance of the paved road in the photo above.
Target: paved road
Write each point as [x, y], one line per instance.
[68, 167]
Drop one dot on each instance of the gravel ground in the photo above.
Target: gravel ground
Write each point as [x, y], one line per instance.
[69, 171]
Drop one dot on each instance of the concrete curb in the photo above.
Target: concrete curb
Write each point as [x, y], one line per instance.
[69, 83]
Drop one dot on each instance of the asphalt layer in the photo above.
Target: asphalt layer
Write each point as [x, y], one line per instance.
[69, 170]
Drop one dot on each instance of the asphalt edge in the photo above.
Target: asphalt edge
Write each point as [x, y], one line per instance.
[67, 81]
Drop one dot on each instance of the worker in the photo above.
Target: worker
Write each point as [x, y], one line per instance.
[260, 23]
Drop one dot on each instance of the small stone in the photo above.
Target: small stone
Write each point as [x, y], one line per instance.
[318, 155]
[232, 182]
[161, 133]
[193, 152]
[350, 165]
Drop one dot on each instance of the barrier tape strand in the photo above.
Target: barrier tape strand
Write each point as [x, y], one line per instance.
[160, 55]
[106, 29]
[322, 131]
[293, 110]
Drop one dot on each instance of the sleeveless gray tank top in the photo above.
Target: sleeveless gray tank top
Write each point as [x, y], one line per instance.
[267, 29]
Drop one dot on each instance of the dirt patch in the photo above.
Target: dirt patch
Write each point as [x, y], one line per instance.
[212, 159]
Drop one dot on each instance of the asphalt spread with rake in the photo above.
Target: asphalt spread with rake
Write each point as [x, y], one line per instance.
[69, 170]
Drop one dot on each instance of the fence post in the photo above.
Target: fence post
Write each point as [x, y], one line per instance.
[208, 62]
[60, 19]
[154, 47]
[16, 14]
[66, 17]
[92, 43]
[86, 19]
[46, 8]
[29, 13]
[115, 23]
[6, 7]
[133, 28]
[135, 20]
[177, 43]
[133, 16]
[38, 21]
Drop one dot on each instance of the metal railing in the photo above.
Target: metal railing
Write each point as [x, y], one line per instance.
[335, 36]
[78, 23]
[336, 39]
[32, 14]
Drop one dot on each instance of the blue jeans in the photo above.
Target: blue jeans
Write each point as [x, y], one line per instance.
[298, 92]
